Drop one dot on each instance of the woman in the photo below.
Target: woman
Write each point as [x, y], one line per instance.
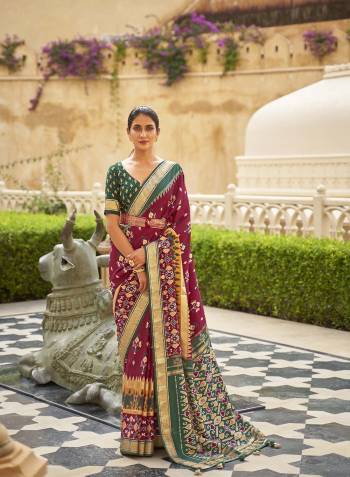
[173, 394]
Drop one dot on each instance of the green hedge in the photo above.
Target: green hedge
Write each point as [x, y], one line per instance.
[24, 238]
[306, 280]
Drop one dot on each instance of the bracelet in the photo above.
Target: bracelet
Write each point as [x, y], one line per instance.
[131, 263]
[139, 270]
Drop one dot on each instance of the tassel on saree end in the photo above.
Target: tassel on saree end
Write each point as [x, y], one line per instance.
[220, 466]
[257, 452]
[273, 444]
[197, 472]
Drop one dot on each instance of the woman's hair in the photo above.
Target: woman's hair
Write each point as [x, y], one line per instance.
[147, 111]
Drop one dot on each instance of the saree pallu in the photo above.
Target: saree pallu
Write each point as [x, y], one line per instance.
[173, 394]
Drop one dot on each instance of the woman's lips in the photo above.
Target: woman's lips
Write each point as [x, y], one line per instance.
[143, 142]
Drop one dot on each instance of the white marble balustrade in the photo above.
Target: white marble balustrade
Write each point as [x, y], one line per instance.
[317, 215]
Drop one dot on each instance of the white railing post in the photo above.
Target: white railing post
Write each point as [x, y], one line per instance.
[96, 189]
[2, 188]
[229, 201]
[319, 222]
[45, 187]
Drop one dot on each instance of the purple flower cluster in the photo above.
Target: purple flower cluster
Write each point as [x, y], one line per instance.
[7, 53]
[207, 25]
[80, 57]
[161, 49]
[230, 56]
[321, 43]
[223, 41]
[35, 101]
[194, 25]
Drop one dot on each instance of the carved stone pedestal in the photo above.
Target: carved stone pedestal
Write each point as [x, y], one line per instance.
[17, 460]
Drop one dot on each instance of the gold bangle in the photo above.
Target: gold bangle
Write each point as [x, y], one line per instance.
[139, 270]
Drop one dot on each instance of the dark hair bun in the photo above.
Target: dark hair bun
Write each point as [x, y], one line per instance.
[143, 110]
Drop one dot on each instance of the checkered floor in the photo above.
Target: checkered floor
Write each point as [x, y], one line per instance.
[306, 394]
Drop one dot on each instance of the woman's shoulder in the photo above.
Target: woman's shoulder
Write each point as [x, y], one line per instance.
[113, 169]
[172, 164]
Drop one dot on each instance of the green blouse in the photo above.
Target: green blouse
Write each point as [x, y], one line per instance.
[121, 189]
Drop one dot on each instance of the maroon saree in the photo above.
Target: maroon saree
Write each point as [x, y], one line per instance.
[173, 392]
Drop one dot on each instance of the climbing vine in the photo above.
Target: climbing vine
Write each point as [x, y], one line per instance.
[47, 200]
[161, 50]
[320, 43]
[8, 56]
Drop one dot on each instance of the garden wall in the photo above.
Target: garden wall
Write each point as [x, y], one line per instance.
[203, 116]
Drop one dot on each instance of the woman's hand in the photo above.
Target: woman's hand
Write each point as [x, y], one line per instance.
[138, 257]
[142, 278]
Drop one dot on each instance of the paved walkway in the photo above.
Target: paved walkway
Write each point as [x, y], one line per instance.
[286, 366]
[315, 338]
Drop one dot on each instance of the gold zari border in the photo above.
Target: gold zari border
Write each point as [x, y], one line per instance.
[159, 346]
[133, 447]
[149, 187]
[160, 357]
[112, 204]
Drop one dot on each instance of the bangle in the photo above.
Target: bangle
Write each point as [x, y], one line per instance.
[131, 262]
[139, 270]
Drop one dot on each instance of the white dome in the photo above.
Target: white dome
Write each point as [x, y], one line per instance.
[300, 141]
[312, 120]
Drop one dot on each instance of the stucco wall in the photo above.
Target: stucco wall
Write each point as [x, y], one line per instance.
[40, 21]
[203, 117]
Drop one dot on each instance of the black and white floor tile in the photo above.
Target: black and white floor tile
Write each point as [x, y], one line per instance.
[307, 409]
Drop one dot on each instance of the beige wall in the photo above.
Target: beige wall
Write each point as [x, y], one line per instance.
[203, 117]
[40, 21]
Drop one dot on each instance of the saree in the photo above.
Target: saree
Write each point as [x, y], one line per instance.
[173, 394]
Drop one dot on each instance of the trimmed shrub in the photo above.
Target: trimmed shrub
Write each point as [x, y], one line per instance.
[299, 279]
[306, 280]
[24, 238]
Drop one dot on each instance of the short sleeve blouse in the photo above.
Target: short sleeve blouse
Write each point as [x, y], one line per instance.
[112, 202]
[121, 189]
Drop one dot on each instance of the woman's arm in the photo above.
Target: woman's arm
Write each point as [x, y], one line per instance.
[117, 236]
[123, 245]
[119, 239]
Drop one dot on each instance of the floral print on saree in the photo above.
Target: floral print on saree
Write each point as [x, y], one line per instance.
[173, 391]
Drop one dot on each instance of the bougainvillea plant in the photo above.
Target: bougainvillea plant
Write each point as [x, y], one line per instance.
[320, 43]
[161, 52]
[230, 54]
[8, 56]
[120, 44]
[81, 57]
[161, 49]
[191, 30]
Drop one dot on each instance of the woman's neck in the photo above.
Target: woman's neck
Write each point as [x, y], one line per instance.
[143, 157]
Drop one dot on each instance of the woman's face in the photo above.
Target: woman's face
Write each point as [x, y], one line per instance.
[143, 133]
